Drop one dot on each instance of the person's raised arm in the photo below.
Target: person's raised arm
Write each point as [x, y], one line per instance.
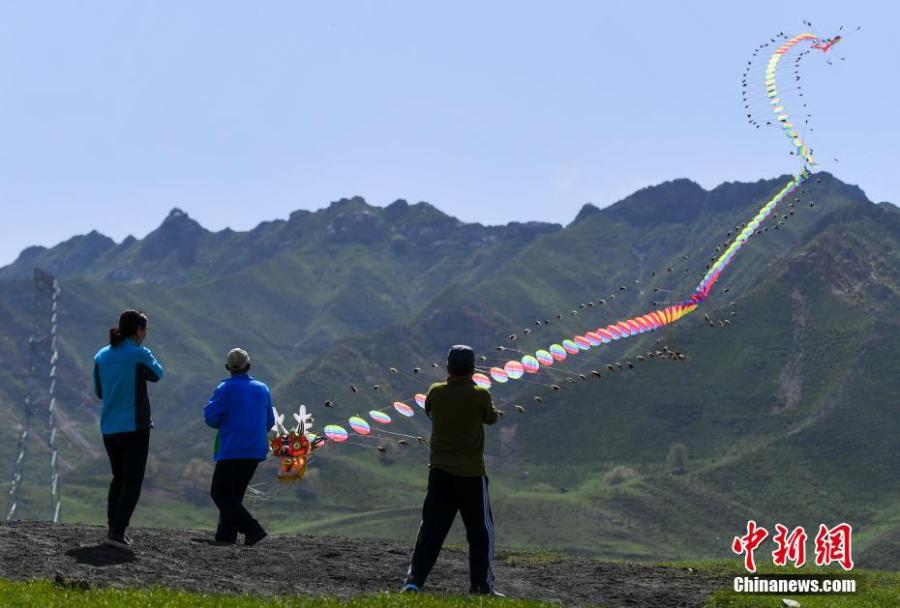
[491, 414]
[215, 408]
[153, 371]
[428, 403]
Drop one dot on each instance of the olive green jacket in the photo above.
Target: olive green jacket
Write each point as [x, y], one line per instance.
[459, 410]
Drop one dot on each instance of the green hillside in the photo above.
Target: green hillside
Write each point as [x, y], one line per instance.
[788, 412]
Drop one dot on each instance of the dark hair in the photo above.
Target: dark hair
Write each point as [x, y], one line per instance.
[129, 323]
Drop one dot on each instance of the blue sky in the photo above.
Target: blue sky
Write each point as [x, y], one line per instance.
[113, 113]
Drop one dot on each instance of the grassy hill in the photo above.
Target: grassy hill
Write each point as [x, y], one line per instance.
[787, 412]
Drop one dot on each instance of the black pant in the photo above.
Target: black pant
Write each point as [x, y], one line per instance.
[447, 494]
[229, 484]
[128, 458]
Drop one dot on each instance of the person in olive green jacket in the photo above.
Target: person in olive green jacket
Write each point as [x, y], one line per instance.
[457, 481]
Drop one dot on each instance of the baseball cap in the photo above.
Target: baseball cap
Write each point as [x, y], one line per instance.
[461, 359]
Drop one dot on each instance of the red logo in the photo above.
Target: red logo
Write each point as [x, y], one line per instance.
[747, 544]
[791, 547]
[832, 545]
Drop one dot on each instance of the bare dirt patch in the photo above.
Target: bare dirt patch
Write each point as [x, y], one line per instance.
[292, 565]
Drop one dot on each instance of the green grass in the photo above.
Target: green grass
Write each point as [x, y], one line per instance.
[50, 595]
[874, 589]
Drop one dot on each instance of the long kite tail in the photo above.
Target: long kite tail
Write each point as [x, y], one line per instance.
[801, 149]
[517, 368]
[670, 314]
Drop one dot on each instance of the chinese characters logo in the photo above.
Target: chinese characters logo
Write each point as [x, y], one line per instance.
[832, 545]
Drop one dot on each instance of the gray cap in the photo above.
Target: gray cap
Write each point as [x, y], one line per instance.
[237, 360]
[461, 359]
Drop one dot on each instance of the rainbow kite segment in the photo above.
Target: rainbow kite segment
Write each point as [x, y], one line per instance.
[335, 433]
[360, 425]
[529, 364]
[403, 409]
[379, 417]
[481, 380]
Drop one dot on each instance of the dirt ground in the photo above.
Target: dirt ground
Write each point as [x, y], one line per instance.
[290, 565]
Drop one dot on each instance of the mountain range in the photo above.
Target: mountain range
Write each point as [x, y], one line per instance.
[785, 402]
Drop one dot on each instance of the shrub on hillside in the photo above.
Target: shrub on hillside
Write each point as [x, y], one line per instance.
[678, 458]
[619, 474]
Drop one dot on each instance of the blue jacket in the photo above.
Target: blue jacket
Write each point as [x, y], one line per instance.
[241, 408]
[121, 374]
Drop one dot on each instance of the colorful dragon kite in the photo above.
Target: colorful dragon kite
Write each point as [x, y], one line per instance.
[516, 369]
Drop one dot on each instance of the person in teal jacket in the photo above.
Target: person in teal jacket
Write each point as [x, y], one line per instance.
[241, 409]
[121, 373]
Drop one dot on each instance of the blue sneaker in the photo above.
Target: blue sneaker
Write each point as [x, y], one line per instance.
[409, 588]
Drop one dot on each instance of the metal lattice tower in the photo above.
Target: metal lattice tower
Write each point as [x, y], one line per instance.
[51, 401]
[43, 357]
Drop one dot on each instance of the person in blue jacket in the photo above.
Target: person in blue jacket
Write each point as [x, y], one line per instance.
[241, 408]
[121, 373]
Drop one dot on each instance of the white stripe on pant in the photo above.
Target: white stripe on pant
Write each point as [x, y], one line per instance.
[489, 524]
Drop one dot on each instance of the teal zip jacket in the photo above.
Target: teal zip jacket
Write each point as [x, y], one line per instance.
[121, 374]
